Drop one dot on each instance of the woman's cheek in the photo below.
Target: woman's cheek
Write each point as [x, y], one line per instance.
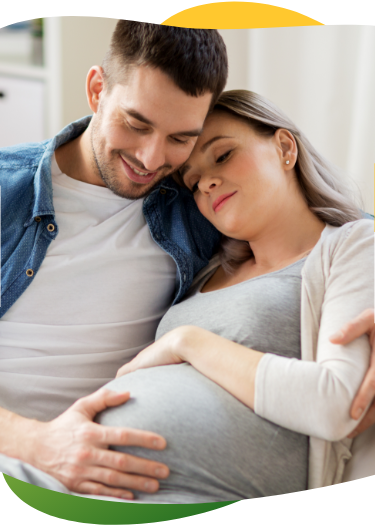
[202, 204]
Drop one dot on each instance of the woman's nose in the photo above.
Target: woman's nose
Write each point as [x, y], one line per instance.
[208, 183]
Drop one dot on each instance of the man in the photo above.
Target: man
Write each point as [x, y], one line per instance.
[89, 267]
[84, 284]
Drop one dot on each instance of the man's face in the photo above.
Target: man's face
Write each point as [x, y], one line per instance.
[143, 130]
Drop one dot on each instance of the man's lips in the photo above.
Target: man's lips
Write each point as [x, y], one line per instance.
[221, 201]
[143, 179]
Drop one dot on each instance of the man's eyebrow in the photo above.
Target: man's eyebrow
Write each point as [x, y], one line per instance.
[135, 114]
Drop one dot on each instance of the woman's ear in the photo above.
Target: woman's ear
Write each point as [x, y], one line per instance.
[287, 148]
[94, 87]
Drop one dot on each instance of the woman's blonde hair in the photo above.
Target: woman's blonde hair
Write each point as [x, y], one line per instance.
[322, 185]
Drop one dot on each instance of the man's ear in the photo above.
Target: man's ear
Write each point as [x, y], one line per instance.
[287, 146]
[94, 87]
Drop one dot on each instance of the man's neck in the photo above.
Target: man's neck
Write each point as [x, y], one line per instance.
[75, 159]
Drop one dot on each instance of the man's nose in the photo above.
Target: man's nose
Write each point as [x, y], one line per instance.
[152, 154]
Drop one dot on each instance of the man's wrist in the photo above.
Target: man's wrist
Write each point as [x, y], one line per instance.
[20, 435]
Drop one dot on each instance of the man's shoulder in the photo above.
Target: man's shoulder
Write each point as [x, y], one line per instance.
[22, 155]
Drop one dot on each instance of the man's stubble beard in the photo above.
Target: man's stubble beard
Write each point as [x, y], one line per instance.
[109, 176]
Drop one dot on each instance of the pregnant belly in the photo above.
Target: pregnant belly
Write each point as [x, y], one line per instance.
[217, 448]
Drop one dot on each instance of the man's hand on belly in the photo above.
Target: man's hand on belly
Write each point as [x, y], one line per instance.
[74, 450]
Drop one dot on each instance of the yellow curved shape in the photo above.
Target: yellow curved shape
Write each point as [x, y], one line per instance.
[238, 15]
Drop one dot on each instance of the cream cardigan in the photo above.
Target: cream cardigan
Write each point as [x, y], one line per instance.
[313, 395]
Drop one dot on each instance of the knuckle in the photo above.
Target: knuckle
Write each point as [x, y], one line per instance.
[122, 462]
[96, 489]
[86, 432]
[83, 454]
[112, 478]
[124, 437]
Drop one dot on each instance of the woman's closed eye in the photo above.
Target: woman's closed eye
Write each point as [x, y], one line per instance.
[223, 157]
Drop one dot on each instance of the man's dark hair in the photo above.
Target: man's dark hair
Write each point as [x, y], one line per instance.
[195, 59]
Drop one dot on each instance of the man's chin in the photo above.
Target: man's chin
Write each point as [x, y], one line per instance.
[131, 190]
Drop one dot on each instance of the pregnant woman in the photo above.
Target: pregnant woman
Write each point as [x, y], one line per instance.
[250, 394]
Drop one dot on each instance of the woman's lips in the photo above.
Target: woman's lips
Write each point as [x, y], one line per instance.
[135, 177]
[221, 201]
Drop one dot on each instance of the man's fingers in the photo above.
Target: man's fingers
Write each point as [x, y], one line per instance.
[363, 324]
[100, 400]
[365, 394]
[130, 464]
[94, 488]
[367, 421]
[118, 479]
[135, 437]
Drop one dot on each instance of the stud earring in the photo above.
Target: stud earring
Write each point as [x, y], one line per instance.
[287, 162]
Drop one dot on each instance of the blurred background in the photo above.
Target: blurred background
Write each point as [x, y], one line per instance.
[323, 77]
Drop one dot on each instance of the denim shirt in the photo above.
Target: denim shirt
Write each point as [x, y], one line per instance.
[28, 222]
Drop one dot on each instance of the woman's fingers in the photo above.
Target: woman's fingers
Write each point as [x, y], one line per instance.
[95, 488]
[127, 463]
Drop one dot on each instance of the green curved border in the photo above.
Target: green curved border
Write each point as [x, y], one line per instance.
[94, 511]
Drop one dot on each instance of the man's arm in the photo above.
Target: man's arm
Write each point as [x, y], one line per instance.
[74, 450]
[363, 324]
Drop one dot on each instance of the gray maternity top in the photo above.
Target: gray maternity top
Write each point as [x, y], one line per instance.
[219, 449]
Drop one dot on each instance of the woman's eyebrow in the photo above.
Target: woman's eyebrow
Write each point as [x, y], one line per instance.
[207, 144]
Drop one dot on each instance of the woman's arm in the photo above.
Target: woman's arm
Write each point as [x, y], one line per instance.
[230, 365]
[314, 398]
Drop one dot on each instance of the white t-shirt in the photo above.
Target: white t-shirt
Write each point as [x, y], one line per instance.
[95, 302]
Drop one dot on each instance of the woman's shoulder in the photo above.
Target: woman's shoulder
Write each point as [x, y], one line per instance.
[352, 244]
[349, 234]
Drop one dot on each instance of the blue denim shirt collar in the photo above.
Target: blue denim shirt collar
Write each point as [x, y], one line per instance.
[43, 196]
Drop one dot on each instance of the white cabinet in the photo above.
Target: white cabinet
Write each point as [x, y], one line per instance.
[40, 100]
[21, 110]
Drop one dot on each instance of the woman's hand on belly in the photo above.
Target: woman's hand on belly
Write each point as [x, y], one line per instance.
[230, 365]
[163, 352]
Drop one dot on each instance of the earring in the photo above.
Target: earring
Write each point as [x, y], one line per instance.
[287, 162]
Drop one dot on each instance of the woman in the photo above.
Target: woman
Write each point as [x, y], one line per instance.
[295, 252]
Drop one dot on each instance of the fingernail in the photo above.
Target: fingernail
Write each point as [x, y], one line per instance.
[150, 485]
[128, 496]
[161, 472]
[358, 413]
[337, 336]
[158, 444]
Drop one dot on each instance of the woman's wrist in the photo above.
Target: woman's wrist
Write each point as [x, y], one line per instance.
[185, 341]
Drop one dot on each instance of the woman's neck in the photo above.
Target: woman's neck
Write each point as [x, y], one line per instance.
[293, 233]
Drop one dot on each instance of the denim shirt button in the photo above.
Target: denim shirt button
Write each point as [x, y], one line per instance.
[37, 219]
[163, 191]
[29, 272]
[50, 228]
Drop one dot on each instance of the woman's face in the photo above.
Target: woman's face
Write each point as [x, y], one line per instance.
[239, 178]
